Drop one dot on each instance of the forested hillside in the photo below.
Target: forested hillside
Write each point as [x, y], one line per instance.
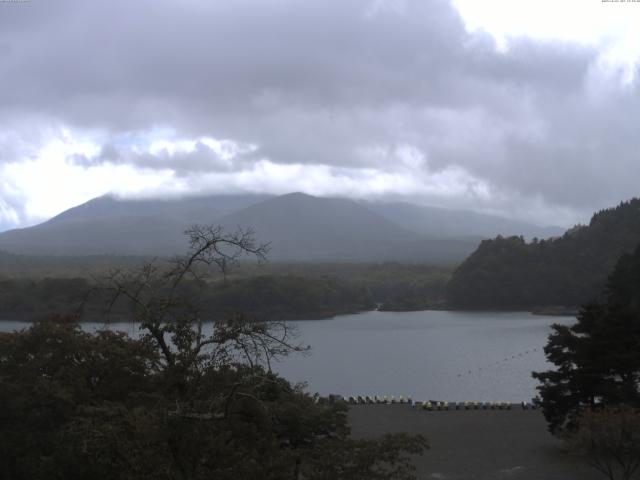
[32, 287]
[565, 271]
[265, 297]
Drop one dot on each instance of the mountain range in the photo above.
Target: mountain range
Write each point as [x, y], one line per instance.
[299, 227]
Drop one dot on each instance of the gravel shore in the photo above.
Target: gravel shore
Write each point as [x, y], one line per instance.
[476, 444]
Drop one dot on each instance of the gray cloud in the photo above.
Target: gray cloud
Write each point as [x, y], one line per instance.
[328, 83]
[202, 158]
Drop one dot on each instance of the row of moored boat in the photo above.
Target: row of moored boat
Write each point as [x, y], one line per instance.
[431, 405]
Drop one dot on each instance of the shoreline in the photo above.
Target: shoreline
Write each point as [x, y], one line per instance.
[329, 315]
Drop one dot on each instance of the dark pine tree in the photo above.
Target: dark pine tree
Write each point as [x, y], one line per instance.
[598, 358]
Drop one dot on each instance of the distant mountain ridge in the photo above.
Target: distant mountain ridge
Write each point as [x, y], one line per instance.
[113, 226]
[299, 227]
[189, 209]
[446, 223]
[509, 273]
[339, 229]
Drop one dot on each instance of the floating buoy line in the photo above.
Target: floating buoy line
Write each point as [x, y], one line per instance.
[506, 359]
[434, 405]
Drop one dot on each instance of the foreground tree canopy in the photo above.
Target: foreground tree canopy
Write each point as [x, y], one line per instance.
[609, 437]
[598, 358]
[174, 403]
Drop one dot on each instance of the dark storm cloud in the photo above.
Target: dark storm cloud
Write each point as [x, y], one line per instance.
[327, 83]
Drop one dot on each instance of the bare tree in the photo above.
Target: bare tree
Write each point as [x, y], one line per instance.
[163, 299]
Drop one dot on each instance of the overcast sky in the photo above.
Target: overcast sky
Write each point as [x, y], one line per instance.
[526, 108]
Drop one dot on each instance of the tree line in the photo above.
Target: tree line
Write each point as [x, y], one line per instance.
[279, 292]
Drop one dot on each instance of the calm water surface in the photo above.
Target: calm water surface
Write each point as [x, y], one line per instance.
[454, 356]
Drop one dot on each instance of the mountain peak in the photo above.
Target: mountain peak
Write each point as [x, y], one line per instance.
[298, 225]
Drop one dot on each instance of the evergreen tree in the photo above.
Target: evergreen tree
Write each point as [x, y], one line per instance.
[598, 358]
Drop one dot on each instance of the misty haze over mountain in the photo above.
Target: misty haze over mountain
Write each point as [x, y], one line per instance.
[298, 227]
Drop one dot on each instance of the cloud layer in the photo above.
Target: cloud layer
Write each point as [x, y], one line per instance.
[339, 97]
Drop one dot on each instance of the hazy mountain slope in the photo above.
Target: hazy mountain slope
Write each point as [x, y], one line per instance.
[189, 210]
[446, 223]
[107, 225]
[117, 236]
[302, 227]
[299, 227]
[568, 271]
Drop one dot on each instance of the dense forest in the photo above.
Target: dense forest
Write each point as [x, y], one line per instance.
[264, 297]
[64, 266]
[32, 287]
[567, 271]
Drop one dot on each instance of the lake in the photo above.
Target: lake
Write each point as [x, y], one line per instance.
[440, 355]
